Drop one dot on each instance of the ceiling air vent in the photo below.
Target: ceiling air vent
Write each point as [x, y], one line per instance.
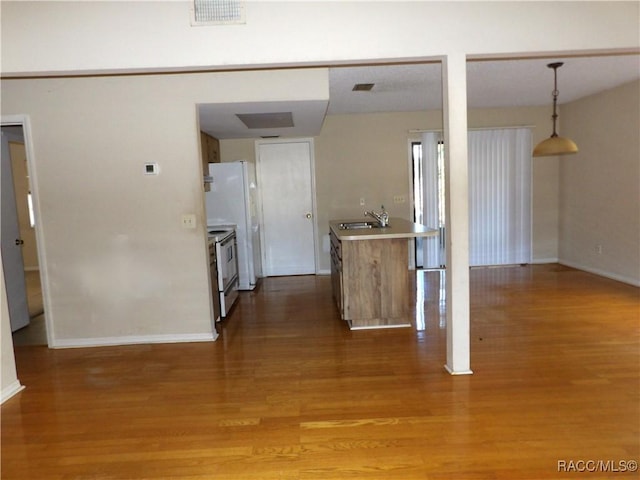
[363, 87]
[266, 120]
[217, 12]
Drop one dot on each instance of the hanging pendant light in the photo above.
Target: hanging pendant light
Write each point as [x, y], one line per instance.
[555, 145]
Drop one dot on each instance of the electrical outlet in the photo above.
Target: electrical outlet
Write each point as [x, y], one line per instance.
[399, 199]
[362, 201]
[189, 220]
[599, 249]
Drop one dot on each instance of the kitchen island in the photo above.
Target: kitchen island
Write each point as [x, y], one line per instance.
[370, 271]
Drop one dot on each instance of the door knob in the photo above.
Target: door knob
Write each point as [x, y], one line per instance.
[19, 241]
[308, 215]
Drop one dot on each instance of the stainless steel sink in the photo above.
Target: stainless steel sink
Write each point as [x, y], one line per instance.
[358, 225]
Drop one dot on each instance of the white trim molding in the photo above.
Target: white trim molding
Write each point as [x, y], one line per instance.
[132, 340]
[603, 273]
[11, 390]
[458, 372]
[541, 261]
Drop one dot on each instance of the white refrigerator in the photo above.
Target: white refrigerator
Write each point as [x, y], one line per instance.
[232, 201]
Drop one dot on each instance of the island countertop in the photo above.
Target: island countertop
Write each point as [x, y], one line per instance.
[397, 228]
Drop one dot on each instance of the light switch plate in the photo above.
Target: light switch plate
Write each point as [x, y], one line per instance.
[189, 220]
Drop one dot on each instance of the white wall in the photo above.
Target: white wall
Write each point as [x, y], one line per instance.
[600, 185]
[93, 36]
[9, 384]
[120, 266]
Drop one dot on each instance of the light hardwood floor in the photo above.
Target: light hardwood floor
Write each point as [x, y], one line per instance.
[35, 333]
[289, 392]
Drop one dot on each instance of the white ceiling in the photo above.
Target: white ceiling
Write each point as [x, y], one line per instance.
[221, 120]
[414, 87]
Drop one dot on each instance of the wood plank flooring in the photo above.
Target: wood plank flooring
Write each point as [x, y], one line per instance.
[36, 332]
[289, 392]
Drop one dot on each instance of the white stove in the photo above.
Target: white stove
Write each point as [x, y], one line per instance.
[218, 234]
[226, 252]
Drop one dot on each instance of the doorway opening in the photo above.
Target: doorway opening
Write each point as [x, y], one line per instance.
[428, 175]
[20, 253]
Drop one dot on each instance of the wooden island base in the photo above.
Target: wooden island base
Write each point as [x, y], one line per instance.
[370, 274]
[376, 283]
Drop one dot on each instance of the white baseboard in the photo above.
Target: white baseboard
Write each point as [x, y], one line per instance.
[457, 372]
[376, 327]
[613, 276]
[540, 261]
[10, 390]
[323, 272]
[132, 340]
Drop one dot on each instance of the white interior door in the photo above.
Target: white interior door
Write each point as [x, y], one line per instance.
[12, 261]
[285, 183]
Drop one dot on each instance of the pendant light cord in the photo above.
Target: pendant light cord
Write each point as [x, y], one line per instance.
[555, 93]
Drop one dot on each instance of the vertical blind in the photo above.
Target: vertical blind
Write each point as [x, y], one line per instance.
[499, 196]
[431, 250]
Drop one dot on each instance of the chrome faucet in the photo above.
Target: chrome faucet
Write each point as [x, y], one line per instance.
[382, 217]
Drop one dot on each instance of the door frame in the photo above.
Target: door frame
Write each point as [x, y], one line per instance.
[314, 210]
[24, 122]
[412, 200]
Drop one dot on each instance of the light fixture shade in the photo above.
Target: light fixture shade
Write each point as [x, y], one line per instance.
[555, 146]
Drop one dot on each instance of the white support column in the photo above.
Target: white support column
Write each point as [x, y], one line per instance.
[457, 213]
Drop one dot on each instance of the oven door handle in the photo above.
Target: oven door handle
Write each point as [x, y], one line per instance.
[227, 240]
[231, 284]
